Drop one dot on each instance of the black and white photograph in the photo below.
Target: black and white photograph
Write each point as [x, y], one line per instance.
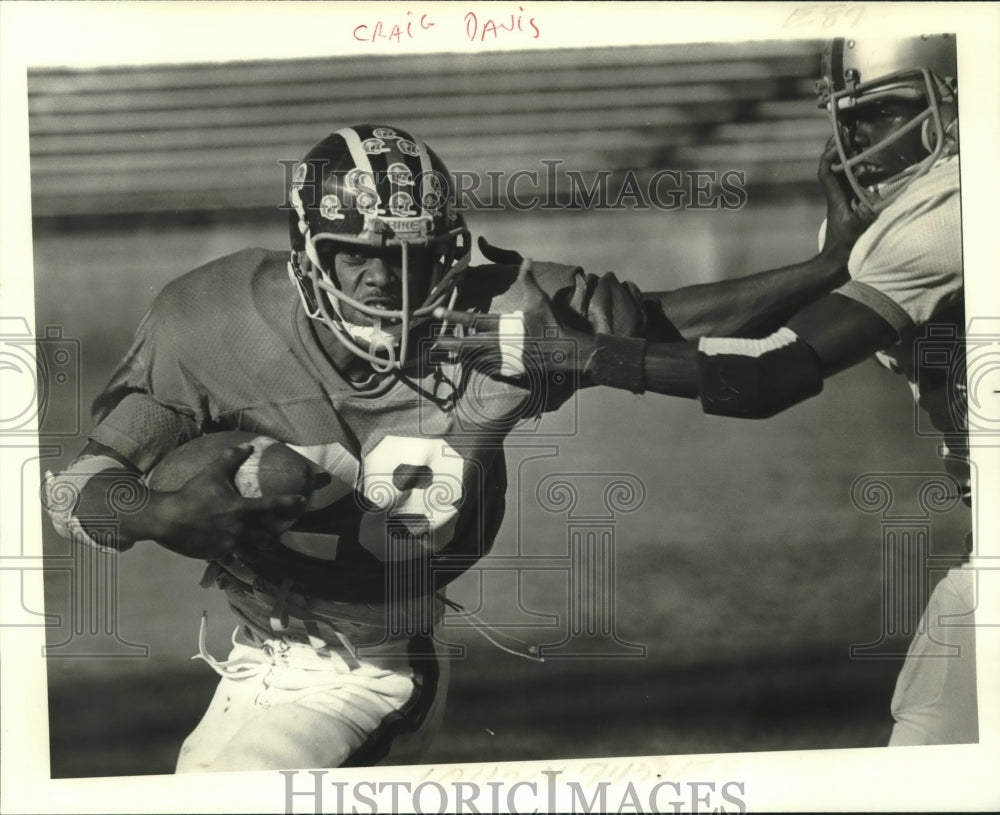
[499, 407]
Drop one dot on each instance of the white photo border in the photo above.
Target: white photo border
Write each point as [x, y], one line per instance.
[32, 34]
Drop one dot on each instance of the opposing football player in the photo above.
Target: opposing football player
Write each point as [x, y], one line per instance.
[893, 106]
[330, 352]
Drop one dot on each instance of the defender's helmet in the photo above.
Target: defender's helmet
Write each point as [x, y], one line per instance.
[378, 187]
[917, 69]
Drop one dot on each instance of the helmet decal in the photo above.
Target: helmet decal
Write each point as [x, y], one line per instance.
[374, 147]
[329, 208]
[400, 174]
[358, 180]
[409, 148]
[435, 195]
[367, 203]
[401, 205]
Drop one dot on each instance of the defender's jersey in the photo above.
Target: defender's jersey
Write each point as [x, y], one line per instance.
[416, 456]
[907, 268]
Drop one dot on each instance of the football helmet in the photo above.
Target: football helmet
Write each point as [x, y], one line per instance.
[379, 187]
[917, 69]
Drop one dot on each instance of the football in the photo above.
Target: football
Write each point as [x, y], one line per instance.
[272, 469]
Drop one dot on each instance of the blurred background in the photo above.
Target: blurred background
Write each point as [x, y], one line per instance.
[742, 578]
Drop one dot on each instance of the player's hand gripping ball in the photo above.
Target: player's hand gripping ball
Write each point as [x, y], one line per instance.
[272, 469]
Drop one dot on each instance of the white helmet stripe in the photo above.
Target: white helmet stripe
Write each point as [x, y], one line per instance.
[358, 154]
[426, 172]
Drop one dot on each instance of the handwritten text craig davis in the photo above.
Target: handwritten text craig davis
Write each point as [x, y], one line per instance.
[474, 27]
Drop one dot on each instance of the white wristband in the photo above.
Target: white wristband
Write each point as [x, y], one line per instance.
[512, 332]
[62, 493]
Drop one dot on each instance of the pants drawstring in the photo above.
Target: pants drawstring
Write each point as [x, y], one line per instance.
[231, 668]
[483, 628]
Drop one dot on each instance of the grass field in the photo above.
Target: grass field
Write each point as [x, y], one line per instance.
[747, 572]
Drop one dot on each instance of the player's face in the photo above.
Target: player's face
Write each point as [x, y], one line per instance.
[868, 124]
[374, 277]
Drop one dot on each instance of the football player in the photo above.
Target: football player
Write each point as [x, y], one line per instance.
[330, 351]
[893, 106]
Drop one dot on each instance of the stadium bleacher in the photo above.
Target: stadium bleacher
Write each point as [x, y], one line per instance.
[208, 137]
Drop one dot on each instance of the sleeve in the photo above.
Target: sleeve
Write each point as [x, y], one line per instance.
[908, 266]
[152, 404]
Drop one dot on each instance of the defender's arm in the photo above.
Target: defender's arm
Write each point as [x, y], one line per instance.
[756, 379]
[755, 304]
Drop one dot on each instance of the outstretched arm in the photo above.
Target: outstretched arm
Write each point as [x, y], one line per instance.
[757, 304]
[748, 378]
[759, 378]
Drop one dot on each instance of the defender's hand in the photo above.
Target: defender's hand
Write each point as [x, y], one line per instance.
[616, 308]
[494, 343]
[207, 517]
[846, 219]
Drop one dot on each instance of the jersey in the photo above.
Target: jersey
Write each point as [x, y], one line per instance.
[907, 268]
[416, 455]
